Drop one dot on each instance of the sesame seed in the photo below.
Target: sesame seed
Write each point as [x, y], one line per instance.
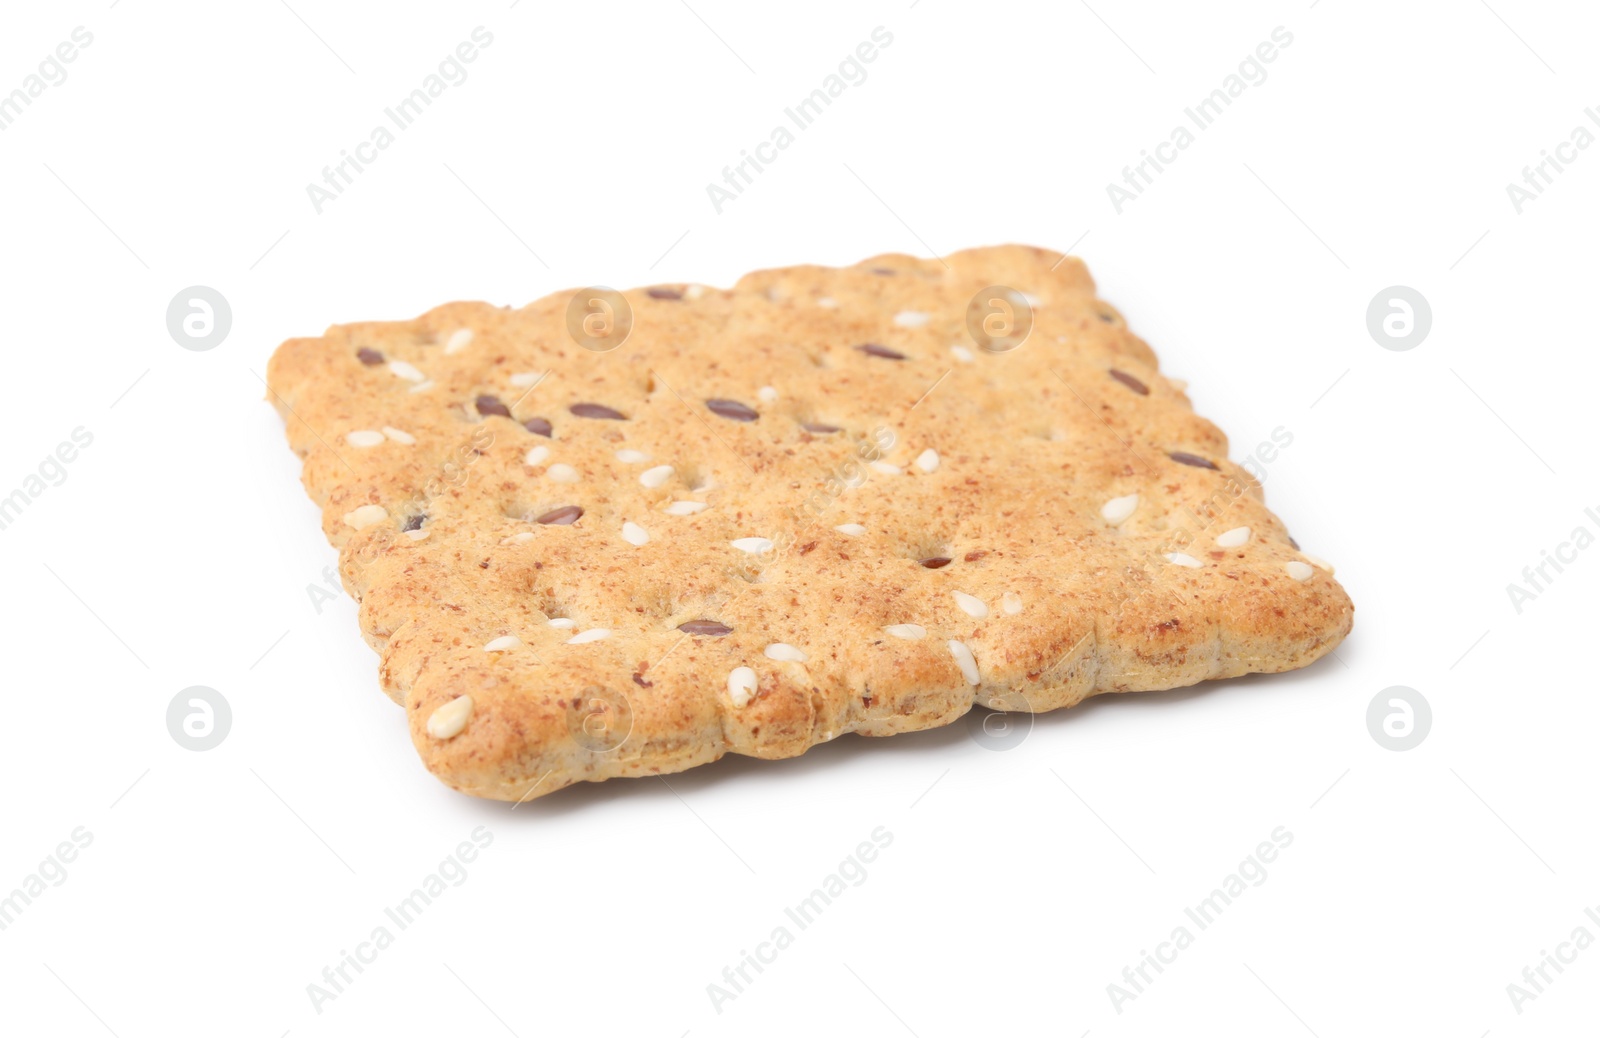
[910, 319]
[928, 460]
[686, 507]
[422, 387]
[561, 473]
[873, 349]
[448, 720]
[406, 371]
[539, 426]
[964, 660]
[635, 534]
[971, 605]
[1028, 298]
[784, 653]
[519, 538]
[962, 354]
[1298, 570]
[851, 529]
[1011, 602]
[365, 516]
[418, 535]
[1131, 382]
[1178, 558]
[1321, 564]
[524, 379]
[1234, 538]
[561, 622]
[693, 292]
[1117, 509]
[363, 438]
[828, 303]
[489, 404]
[628, 456]
[741, 685]
[593, 634]
[886, 468]
[369, 356]
[598, 411]
[399, 435]
[502, 643]
[910, 632]
[536, 455]
[653, 478]
[937, 562]
[767, 395]
[753, 545]
[460, 339]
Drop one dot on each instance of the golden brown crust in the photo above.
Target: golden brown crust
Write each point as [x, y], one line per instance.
[1031, 445]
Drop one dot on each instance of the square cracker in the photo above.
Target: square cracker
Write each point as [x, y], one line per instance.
[531, 655]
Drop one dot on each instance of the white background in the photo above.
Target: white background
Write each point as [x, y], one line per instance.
[1019, 884]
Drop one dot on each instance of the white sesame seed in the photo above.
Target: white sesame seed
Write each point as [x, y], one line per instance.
[524, 379]
[971, 605]
[910, 319]
[562, 622]
[886, 468]
[422, 387]
[910, 632]
[964, 660]
[784, 653]
[519, 538]
[460, 339]
[741, 685]
[753, 545]
[686, 507]
[593, 634]
[363, 438]
[1178, 558]
[653, 478]
[536, 455]
[1180, 384]
[635, 534]
[406, 371]
[1321, 564]
[503, 643]
[1026, 297]
[767, 394]
[962, 354]
[448, 720]
[629, 456]
[1234, 538]
[928, 460]
[560, 473]
[693, 292]
[419, 534]
[851, 529]
[399, 435]
[365, 516]
[1117, 509]
[1298, 570]
[1011, 602]
[828, 303]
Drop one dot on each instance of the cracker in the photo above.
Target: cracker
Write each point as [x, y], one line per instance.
[824, 501]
